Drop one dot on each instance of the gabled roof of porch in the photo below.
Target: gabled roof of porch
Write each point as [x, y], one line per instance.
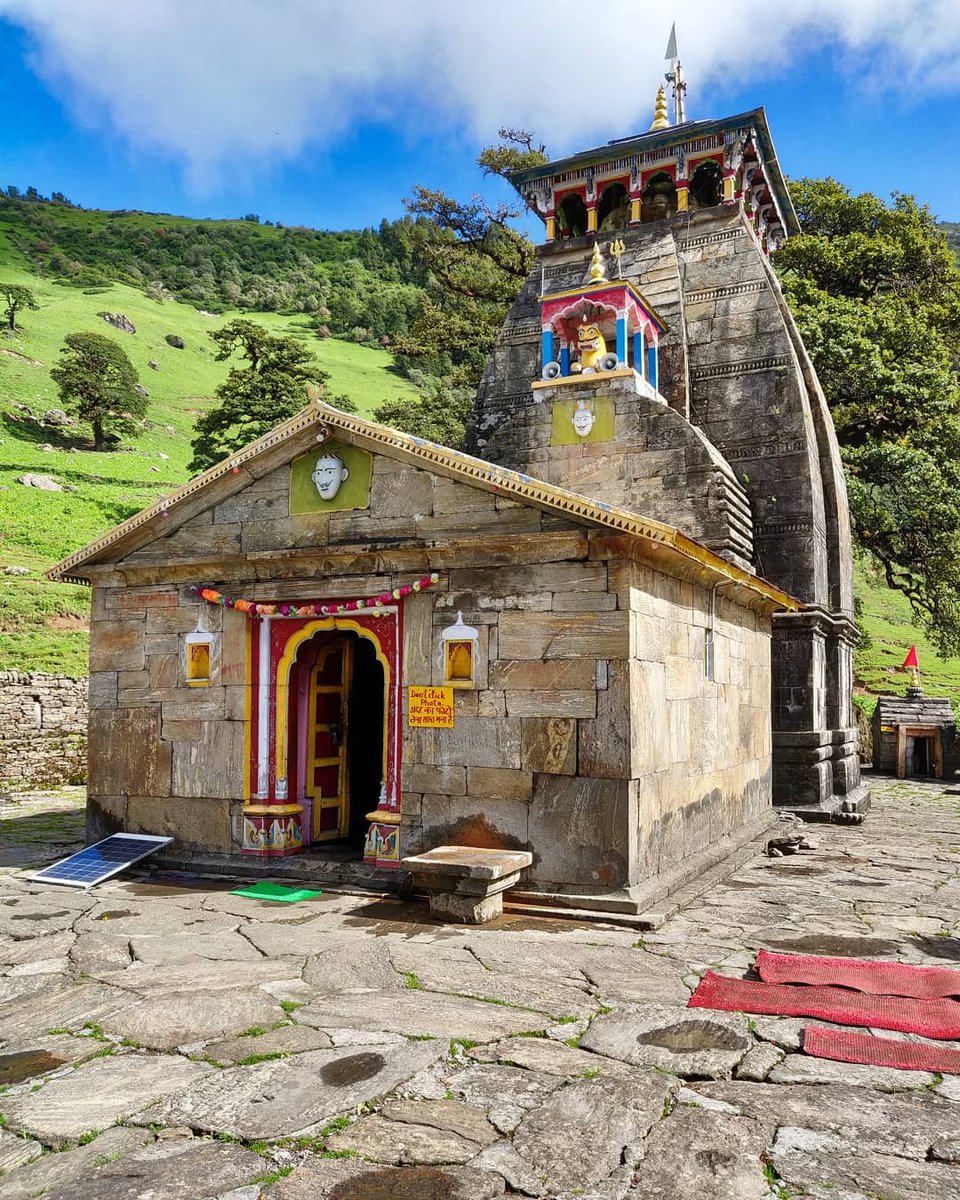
[268, 453]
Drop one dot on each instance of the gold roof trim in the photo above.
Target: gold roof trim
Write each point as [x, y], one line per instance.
[455, 463]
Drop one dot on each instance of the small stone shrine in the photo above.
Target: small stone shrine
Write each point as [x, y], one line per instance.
[347, 642]
[914, 735]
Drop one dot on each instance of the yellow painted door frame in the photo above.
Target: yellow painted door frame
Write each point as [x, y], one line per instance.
[337, 733]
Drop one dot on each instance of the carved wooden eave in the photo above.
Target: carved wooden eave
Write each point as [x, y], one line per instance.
[639, 536]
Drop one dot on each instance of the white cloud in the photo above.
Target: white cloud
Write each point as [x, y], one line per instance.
[227, 85]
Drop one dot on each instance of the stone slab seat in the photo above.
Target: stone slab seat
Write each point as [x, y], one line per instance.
[466, 883]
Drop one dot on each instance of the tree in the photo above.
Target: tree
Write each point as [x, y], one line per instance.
[475, 261]
[98, 383]
[439, 413]
[16, 297]
[876, 293]
[254, 398]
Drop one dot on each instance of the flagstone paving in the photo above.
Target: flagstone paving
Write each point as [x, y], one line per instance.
[161, 1037]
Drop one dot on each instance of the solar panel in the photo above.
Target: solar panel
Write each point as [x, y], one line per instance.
[96, 863]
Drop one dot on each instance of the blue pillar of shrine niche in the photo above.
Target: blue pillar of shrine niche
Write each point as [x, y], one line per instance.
[652, 366]
[638, 352]
[622, 339]
[546, 346]
[564, 360]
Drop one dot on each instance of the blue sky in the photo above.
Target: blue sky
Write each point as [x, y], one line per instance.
[320, 113]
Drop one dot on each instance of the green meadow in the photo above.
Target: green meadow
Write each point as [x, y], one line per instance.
[43, 626]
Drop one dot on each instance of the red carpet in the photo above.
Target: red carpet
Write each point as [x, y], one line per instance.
[877, 978]
[930, 1018]
[844, 1046]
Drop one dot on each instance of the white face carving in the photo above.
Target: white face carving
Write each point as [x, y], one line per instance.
[582, 420]
[328, 474]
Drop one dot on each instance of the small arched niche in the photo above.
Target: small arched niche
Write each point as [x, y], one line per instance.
[706, 185]
[572, 216]
[659, 198]
[613, 211]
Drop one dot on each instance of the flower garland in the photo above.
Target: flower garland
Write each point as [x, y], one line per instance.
[256, 609]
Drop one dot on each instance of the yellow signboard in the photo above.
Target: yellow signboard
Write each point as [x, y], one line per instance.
[430, 707]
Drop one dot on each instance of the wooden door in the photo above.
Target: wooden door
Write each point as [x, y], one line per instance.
[327, 731]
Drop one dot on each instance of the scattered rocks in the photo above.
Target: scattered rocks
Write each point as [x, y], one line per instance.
[797, 1068]
[284, 1096]
[14, 570]
[174, 340]
[140, 390]
[165, 457]
[758, 1062]
[693, 1043]
[153, 365]
[16, 1151]
[97, 1095]
[407, 1012]
[289, 1039]
[554, 1058]
[706, 1154]
[53, 1171]
[507, 1093]
[45, 448]
[176, 1019]
[56, 416]
[118, 321]
[43, 483]
[578, 1135]
[188, 1169]
[351, 1179]
[397, 1144]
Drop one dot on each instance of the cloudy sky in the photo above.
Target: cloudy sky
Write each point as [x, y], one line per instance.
[325, 112]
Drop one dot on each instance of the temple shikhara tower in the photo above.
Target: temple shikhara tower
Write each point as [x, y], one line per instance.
[706, 410]
[607, 640]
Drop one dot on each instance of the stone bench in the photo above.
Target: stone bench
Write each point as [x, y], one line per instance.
[465, 883]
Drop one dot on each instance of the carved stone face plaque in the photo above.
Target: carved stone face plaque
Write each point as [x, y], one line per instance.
[328, 474]
[582, 419]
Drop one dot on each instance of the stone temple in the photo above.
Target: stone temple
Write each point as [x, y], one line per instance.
[614, 634]
[738, 448]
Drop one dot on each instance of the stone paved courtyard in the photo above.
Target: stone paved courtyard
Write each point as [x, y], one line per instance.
[163, 1038]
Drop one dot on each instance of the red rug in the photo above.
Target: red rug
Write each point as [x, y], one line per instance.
[930, 1018]
[844, 1046]
[877, 978]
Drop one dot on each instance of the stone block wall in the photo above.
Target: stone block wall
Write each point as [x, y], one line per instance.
[701, 734]
[656, 462]
[595, 738]
[43, 730]
[592, 737]
[164, 758]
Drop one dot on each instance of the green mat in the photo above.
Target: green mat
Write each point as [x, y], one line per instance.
[265, 890]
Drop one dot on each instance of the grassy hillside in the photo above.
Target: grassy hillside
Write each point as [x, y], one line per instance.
[43, 625]
[887, 621]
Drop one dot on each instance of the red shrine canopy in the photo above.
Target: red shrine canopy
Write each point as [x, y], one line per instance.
[600, 303]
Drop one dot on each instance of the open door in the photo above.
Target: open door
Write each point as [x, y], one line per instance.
[327, 766]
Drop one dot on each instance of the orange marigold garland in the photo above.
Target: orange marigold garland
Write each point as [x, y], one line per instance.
[255, 609]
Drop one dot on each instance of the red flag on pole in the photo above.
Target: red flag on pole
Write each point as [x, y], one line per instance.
[911, 660]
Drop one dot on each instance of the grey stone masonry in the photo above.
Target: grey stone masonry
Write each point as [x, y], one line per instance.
[747, 461]
[43, 730]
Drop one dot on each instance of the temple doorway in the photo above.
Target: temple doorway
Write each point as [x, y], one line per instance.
[338, 738]
[919, 752]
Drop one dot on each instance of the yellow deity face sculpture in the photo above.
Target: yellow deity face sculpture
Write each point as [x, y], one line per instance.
[592, 347]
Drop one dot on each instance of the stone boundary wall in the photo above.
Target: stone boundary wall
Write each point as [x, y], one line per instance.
[43, 730]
